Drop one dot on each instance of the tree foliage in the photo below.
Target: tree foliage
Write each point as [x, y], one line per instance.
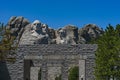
[74, 73]
[6, 43]
[108, 55]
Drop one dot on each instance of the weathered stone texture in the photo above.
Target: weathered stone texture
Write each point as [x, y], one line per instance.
[53, 72]
[45, 56]
[34, 73]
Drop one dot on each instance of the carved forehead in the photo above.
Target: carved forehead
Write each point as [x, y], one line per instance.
[44, 25]
[36, 22]
[61, 30]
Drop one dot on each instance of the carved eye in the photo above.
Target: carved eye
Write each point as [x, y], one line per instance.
[35, 24]
[43, 26]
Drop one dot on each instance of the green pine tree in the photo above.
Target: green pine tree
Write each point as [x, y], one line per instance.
[74, 73]
[107, 56]
[6, 44]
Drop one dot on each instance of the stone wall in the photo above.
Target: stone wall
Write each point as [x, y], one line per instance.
[41, 53]
[34, 73]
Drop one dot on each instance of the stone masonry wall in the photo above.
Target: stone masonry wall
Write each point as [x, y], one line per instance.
[84, 51]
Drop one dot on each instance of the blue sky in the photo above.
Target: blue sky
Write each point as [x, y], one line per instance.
[58, 13]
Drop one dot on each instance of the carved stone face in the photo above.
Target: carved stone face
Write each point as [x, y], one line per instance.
[37, 30]
[44, 28]
[36, 25]
[62, 33]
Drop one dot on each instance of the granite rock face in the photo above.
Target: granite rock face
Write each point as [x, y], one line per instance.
[89, 32]
[40, 33]
[16, 26]
[67, 35]
[35, 33]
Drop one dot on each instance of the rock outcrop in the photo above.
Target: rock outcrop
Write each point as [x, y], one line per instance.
[67, 35]
[39, 33]
[89, 32]
[35, 33]
[16, 26]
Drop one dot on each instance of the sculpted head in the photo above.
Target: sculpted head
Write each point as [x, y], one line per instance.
[44, 28]
[39, 30]
[36, 25]
[62, 33]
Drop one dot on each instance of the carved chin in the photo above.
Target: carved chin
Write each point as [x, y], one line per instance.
[62, 41]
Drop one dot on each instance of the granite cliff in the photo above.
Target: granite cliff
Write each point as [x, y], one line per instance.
[40, 33]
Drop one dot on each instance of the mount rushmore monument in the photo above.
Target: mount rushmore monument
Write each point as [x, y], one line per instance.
[40, 33]
[51, 51]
